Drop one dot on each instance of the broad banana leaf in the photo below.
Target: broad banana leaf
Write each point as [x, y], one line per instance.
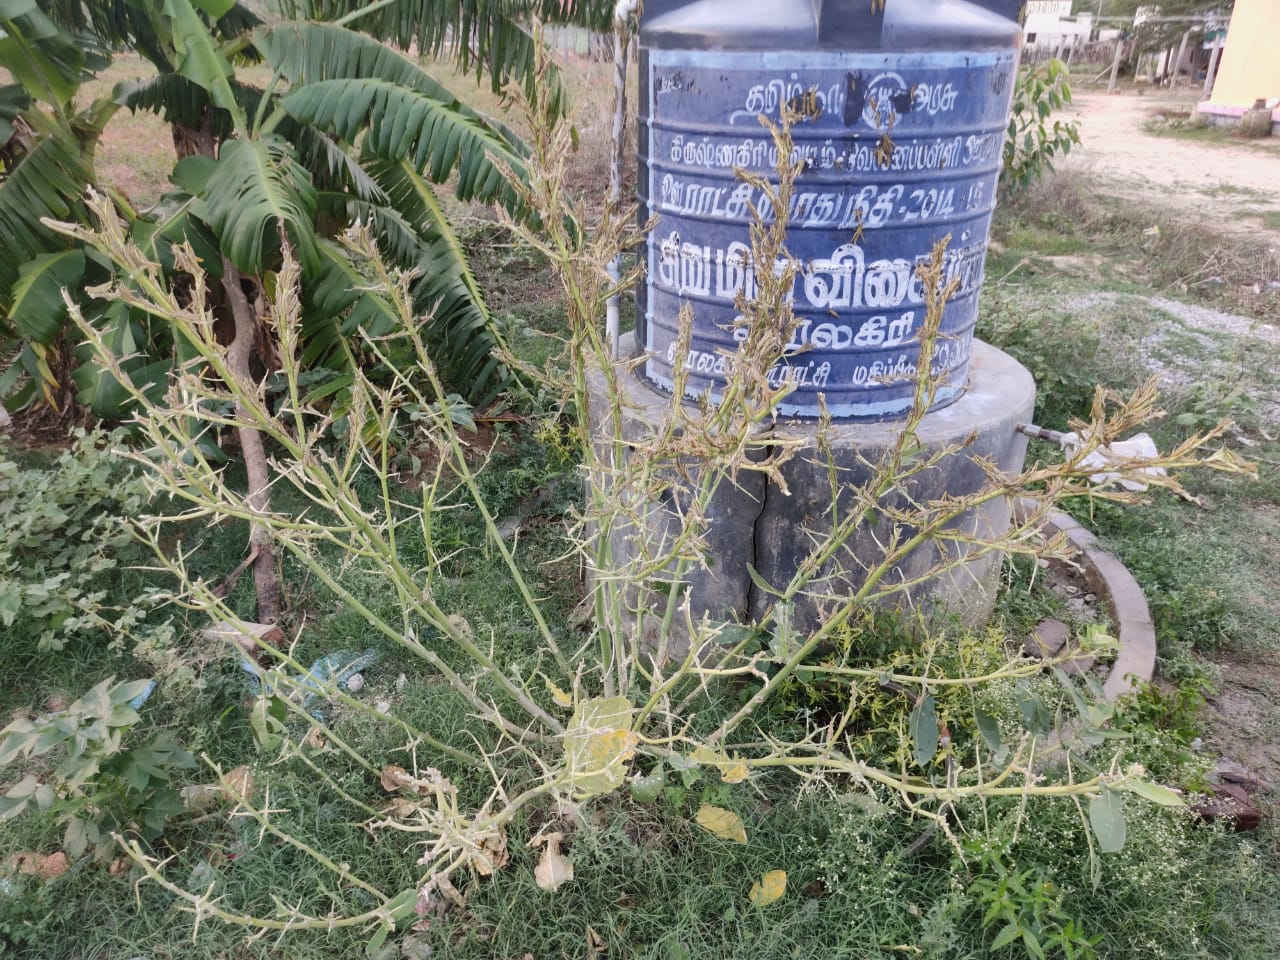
[446, 292]
[38, 310]
[257, 189]
[498, 37]
[49, 181]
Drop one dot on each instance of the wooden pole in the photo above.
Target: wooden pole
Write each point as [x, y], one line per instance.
[1115, 65]
[1213, 66]
[1182, 52]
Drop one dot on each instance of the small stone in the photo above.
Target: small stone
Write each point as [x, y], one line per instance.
[1229, 802]
[1049, 638]
[401, 682]
[1228, 771]
[355, 683]
[383, 706]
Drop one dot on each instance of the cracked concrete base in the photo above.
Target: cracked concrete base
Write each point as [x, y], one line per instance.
[753, 525]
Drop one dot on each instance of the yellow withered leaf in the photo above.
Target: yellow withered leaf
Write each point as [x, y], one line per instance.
[561, 698]
[598, 745]
[731, 770]
[723, 823]
[768, 888]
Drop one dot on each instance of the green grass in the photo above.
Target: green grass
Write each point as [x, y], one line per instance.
[1178, 124]
[1270, 218]
[864, 877]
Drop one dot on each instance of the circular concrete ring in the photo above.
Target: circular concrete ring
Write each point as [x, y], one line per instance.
[1109, 578]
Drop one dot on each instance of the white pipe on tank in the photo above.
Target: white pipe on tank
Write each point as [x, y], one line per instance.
[622, 14]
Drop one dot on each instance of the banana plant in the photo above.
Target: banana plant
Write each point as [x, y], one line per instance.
[46, 163]
[347, 129]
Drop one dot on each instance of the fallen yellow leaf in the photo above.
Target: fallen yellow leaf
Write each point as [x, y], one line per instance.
[768, 888]
[723, 823]
[561, 698]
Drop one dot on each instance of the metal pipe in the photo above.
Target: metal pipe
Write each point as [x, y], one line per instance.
[1040, 433]
[622, 14]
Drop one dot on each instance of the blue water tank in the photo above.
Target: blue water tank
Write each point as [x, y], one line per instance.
[913, 99]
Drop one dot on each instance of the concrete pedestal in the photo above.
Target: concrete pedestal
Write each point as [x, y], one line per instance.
[753, 523]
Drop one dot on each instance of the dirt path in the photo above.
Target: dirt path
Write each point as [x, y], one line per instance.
[1209, 177]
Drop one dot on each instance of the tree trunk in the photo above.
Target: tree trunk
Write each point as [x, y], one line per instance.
[265, 580]
[194, 141]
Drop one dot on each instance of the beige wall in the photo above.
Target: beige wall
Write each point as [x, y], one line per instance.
[1250, 66]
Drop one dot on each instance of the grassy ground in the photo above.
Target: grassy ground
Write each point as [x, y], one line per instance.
[1084, 293]
[1079, 290]
[1178, 123]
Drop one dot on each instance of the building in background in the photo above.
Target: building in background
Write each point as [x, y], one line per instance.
[1249, 70]
[1049, 23]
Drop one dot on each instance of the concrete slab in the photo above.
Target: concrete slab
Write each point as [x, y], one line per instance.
[754, 525]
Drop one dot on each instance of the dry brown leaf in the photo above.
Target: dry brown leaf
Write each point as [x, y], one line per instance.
[493, 854]
[460, 624]
[553, 870]
[401, 808]
[395, 778]
[314, 740]
[595, 945]
[238, 784]
[46, 867]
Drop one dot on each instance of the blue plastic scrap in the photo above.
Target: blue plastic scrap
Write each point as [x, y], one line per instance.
[337, 667]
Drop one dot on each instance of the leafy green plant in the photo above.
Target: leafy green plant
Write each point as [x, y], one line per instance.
[62, 531]
[1164, 723]
[556, 714]
[346, 130]
[1032, 140]
[1026, 909]
[1065, 380]
[1210, 401]
[100, 784]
